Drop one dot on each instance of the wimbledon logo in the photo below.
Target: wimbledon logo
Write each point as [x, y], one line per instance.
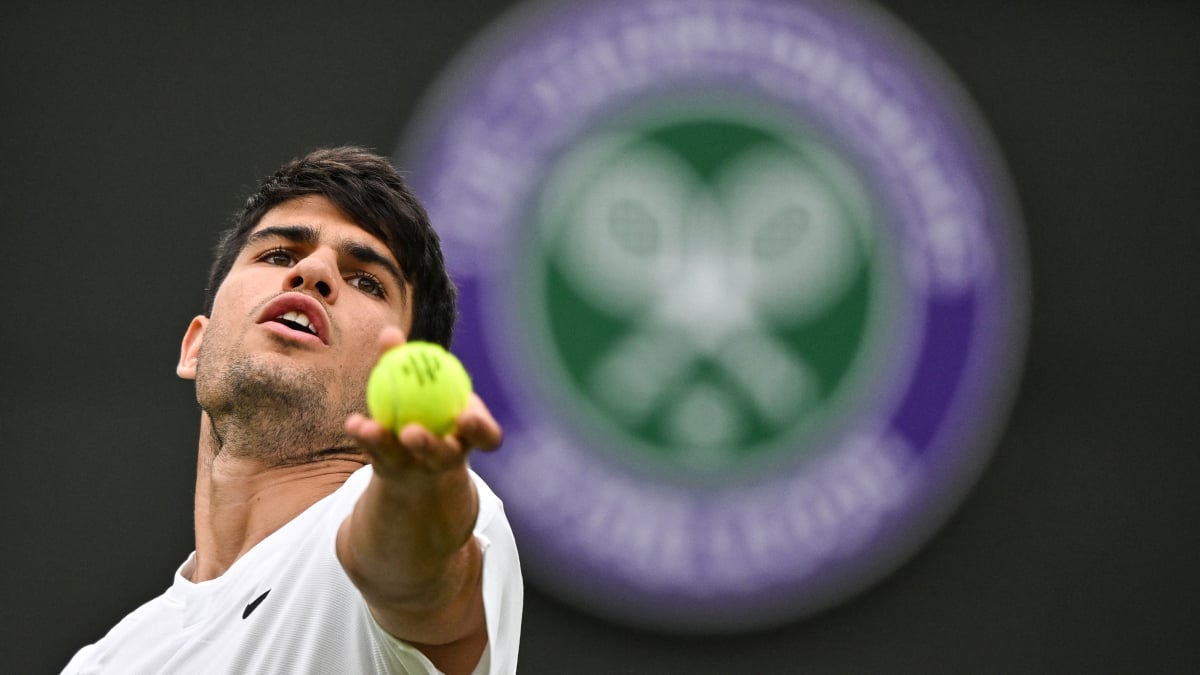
[744, 283]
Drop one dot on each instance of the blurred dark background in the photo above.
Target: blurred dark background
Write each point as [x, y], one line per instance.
[129, 132]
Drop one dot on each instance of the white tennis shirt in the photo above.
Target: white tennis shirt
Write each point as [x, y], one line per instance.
[287, 607]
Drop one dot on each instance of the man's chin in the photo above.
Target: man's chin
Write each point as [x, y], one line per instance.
[253, 386]
[274, 406]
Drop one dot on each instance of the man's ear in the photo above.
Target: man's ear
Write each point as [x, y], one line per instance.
[189, 351]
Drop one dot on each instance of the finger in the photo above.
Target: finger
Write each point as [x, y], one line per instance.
[430, 450]
[417, 438]
[367, 430]
[390, 336]
[376, 440]
[476, 428]
[398, 455]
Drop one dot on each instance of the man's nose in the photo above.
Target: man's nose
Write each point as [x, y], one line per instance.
[314, 272]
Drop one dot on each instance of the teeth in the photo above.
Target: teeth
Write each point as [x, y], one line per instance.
[298, 318]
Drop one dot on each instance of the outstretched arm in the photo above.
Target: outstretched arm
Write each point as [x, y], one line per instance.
[408, 543]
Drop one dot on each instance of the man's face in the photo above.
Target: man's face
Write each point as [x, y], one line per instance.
[285, 355]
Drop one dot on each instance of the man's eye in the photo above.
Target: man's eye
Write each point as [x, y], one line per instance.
[367, 283]
[277, 256]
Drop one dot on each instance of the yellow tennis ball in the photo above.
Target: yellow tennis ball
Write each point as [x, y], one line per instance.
[418, 382]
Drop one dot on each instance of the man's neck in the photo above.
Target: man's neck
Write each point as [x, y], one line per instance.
[240, 501]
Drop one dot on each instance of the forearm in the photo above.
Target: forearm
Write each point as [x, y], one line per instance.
[408, 547]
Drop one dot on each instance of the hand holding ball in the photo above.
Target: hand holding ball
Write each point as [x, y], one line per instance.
[418, 382]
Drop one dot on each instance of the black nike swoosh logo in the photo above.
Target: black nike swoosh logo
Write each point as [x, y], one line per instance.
[254, 605]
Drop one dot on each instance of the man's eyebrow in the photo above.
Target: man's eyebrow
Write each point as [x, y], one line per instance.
[297, 234]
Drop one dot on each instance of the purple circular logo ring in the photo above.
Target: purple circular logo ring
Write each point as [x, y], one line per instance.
[782, 538]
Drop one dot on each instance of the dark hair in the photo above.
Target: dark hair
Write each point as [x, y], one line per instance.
[369, 190]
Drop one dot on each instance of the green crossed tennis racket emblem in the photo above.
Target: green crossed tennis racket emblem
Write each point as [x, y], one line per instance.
[700, 272]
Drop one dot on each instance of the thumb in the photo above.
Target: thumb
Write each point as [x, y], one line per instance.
[390, 336]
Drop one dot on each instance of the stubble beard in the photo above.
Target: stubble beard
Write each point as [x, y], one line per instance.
[278, 415]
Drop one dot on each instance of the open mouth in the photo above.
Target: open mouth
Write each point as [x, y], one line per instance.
[295, 313]
[297, 321]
